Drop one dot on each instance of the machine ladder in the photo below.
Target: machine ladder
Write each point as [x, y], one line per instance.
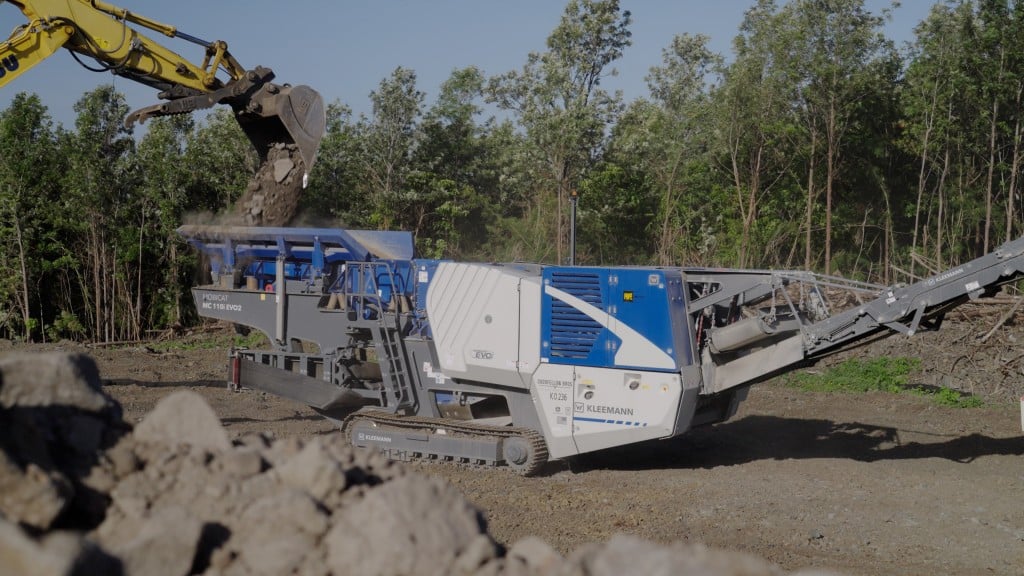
[394, 365]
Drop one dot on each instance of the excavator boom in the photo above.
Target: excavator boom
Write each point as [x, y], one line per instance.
[283, 122]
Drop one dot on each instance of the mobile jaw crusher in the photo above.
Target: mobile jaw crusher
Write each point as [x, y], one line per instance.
[515, 364]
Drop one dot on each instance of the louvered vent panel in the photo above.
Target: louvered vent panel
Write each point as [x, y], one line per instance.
[573, 333]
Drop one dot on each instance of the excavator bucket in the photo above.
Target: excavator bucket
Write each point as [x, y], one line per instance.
[285, 115]
[284, 123]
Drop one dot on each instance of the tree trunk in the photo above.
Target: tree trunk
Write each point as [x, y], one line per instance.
[942, 207]
[25, 296]
[137, 312]
[562, 191]
[664, 253]
[1014, 169]
[991, 173]
[746, 199]
[809, 216]
[831, 159]
[174, 280]
[95, 247]
[922, 171]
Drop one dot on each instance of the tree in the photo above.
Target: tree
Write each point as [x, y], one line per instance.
[456, 184]
[334, 191]
[933, 79]
[221, 160]
[842, 53]
[26, 192]
[388, 142]
[962, 105]
[97, 188]
[759, 136]
[666, 139]
[557, 98]
[164, 198]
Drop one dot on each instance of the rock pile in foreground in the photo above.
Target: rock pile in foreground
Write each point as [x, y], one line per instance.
[83, 493]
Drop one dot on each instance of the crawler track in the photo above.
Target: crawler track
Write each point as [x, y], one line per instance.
[524, 450]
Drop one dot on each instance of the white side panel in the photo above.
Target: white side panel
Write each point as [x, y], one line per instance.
[474, 316]
[552, 394]
[529, 327]
[614, 407]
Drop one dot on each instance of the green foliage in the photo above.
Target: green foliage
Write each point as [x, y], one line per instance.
[66, 326]
[949, 397]
[557, 99]
[615, 217]
[334, 184]
[955, 399]
[878, 374]
[883, 374]
[222, 341]
[813, 144]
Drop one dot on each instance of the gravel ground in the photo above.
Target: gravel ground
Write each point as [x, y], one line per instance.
[861, 483]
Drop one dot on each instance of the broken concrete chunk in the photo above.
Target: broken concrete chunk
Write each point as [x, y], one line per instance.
[166, 545]
[313, 470]
[282, 168]
[57, 554]
[631, 555]
[31, 496]
[426, 522]
[183, 418]
[52, 379]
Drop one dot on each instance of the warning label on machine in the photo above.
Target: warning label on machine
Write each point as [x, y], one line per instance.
[556, 397]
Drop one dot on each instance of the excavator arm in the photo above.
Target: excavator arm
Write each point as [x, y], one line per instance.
[283, 122]
[100, 31]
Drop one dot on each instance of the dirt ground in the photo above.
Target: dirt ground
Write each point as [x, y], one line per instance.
[861, 483]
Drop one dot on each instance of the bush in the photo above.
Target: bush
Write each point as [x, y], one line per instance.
[878, 375]
[953, 398]
[67, 325]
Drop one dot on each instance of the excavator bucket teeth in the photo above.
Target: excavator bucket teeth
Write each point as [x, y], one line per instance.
[285, 115]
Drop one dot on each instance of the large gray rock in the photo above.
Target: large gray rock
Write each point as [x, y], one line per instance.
[410, 525]
[314, 470]
[278, 534]
[57, 554]
[31, 496]
[183, 417]
[165, 545]
[535, 556]
[54, 421]
[631, 555]
[52, 379]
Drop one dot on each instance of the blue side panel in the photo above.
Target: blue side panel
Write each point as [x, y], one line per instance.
[639, 299]
[575, 329]
[682, 328]
[570, 335]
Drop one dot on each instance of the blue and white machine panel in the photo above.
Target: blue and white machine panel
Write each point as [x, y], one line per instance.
[611, 317]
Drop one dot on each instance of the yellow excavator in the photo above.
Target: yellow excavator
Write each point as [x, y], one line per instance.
[284, 123]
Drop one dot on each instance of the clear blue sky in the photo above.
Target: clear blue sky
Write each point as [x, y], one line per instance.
[344, 48]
